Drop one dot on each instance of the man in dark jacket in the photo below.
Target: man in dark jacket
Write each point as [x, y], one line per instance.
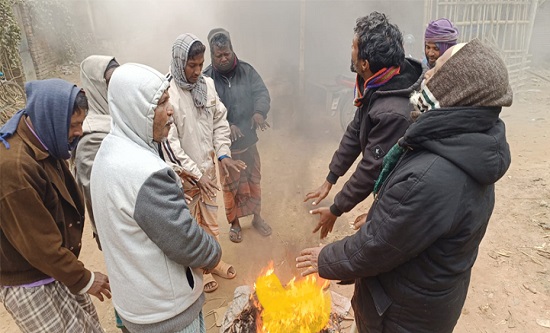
[412, 259]
[385, 80]
[244, 94]
[43, 285]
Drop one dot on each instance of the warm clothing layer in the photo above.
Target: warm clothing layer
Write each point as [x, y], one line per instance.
[412, 260]
[180, 56]
[243, 93]
[480, 74]
[41, 215]
[381, 120]
[154, 250]
[96, 125]
[198, 135]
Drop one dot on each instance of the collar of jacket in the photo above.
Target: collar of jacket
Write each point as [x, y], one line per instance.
[31, 140]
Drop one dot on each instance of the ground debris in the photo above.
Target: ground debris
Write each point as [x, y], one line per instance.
[531, 289]
[510, 320]
[544, 322]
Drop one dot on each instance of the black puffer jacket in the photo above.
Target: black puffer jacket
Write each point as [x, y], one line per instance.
[243, 93]
[412, 259]
[376, 127]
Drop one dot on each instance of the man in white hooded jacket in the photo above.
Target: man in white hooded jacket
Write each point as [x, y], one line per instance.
[154, 251]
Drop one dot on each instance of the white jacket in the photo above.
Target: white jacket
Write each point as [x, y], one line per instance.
[198, 135]
[153, 249]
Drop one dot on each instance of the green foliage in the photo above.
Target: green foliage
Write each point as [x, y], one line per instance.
[10, 35]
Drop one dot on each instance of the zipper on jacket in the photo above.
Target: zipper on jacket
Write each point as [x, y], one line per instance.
[228, 80]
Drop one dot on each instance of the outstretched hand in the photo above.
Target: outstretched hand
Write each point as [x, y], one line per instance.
[235, 133]
[319, 194]
[309, 259]
[258, 121]
[326, 220]
[229, 163]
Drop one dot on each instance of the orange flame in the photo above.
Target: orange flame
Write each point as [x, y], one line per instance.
[301, 306]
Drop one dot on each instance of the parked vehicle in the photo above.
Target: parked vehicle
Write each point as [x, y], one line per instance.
[339, 97]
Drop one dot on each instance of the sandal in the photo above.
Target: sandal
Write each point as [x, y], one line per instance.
[263, 228]
[208, 283]
[235, 235]
[225, 270]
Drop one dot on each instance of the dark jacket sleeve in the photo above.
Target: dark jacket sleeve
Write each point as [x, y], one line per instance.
[387, 128]
[162, 213]
[260, 94]
[409, 216]
[347, 152]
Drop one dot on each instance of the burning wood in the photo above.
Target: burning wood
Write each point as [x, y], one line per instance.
[301, 306]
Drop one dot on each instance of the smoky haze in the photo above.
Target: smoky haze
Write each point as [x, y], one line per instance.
[264, 33]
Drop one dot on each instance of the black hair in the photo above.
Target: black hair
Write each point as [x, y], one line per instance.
[196, 49]
[379, 41]
[220, 41]
[80, 103]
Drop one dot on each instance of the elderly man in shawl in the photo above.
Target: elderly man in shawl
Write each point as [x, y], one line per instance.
[246, 98]
[43, 285]
[439, 36]
[199, 135]
[412, 259]
[95, 73]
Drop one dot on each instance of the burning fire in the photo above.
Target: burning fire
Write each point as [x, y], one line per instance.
[302, 306]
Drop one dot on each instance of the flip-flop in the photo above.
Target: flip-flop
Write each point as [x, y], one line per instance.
[225, 271]
[208, 280]
[235, 235]
[263, 228]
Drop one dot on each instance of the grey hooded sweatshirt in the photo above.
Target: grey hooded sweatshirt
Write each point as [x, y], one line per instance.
[154, 250]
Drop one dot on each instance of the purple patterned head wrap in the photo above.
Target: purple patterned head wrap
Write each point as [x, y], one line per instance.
[443, 33]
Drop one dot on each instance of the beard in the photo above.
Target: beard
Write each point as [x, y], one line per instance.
[227, 67]
[352, 67]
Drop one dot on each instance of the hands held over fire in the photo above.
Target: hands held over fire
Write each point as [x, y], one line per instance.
[326, 221]
[319, 194]
[235, 133]
[326, 218]
[229, 163]
[258, 121]
[309, 259]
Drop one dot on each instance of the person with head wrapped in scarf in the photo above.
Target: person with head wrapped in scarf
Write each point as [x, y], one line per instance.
[439, 36]
[43, 285]
[199, 136]
[413, 256]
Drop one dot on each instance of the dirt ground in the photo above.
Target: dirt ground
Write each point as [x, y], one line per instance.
[510, 285]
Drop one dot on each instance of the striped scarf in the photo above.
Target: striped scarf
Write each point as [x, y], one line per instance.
[180, 50]
[377, 80]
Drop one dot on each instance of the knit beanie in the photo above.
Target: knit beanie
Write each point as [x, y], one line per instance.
[475, 75]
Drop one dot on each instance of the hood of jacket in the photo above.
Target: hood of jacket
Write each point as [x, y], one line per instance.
[134, 92]
[472, 138]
